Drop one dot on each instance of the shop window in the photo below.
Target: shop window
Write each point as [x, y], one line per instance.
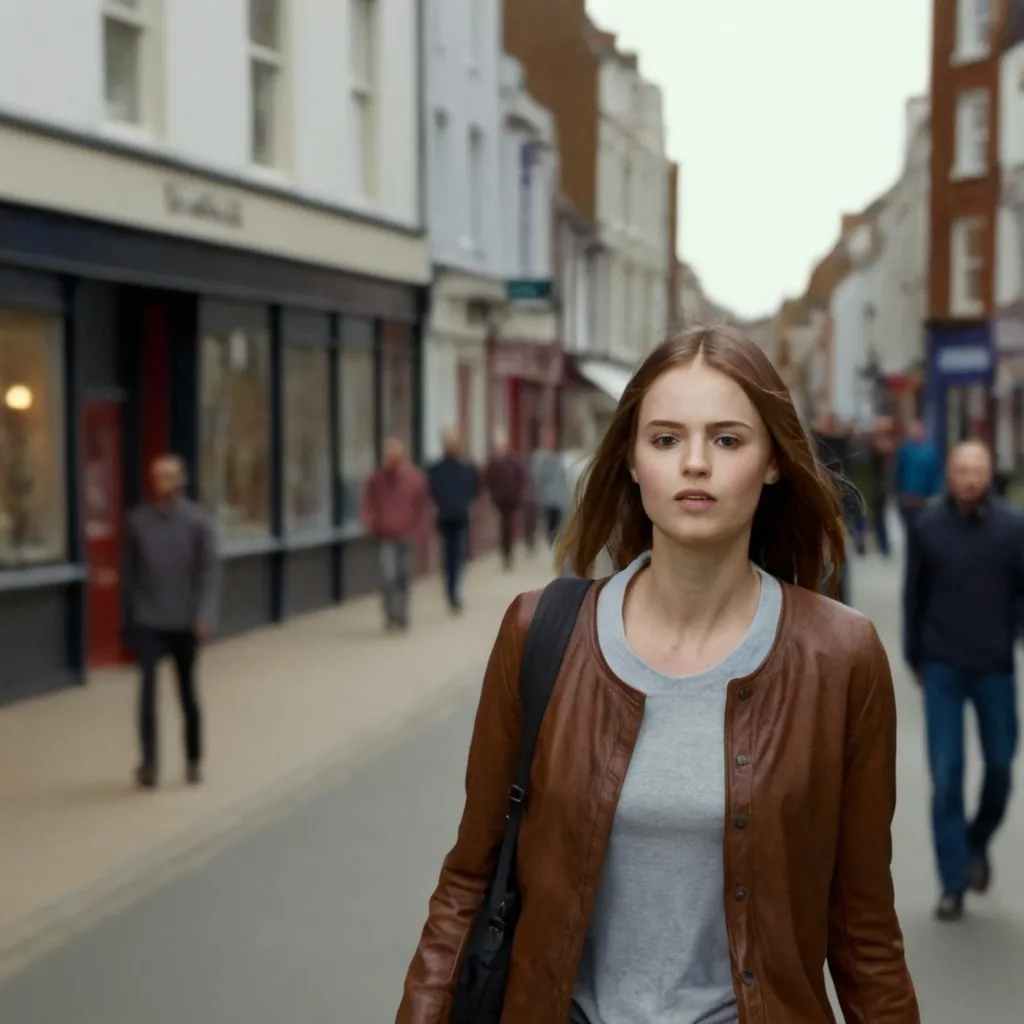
[358, 414]
[33, 498]
[397, 389]
[234, 474]
[307, 439]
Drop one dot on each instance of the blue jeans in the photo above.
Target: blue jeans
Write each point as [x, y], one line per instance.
[946, 690]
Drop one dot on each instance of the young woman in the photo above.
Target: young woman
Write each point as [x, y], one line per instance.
[714, 784]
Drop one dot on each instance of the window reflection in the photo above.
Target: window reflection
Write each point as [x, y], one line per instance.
[307, 439]
[234, 472]
[358, 419]
[33, 524]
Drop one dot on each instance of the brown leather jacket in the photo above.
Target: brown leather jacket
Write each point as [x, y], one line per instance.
[810, 741]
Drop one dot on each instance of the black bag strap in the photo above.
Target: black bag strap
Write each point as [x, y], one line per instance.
[546, 643]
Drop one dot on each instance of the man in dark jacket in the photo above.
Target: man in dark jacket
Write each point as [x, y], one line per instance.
[506, 482]
[965, 573]
[454, 485]
[171, 588]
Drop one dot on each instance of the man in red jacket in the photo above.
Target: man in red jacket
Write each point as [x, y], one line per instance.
[396, 506]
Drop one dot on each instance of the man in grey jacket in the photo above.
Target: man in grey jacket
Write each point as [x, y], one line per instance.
[171, 587]
[552, 492]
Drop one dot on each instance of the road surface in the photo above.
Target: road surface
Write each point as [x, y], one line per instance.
[312, 918]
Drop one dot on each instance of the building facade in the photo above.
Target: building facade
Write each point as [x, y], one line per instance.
[964, 200]
[560, 52]
[463, 121]
[240, 281]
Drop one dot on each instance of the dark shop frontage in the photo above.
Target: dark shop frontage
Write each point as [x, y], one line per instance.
[275, 380]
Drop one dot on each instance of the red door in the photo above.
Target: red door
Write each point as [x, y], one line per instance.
[103, 519]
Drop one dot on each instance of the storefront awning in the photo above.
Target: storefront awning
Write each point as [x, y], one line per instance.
[607, 377]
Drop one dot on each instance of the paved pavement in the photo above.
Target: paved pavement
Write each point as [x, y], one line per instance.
[310, 911]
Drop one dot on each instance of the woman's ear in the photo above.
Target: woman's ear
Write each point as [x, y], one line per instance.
[772, 474]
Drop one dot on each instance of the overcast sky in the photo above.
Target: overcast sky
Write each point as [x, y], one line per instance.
[782, 115]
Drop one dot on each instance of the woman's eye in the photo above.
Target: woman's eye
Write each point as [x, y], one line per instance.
[726, 441]
[664, 441]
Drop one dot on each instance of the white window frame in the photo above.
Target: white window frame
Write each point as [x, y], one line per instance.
[961, 264]
[276, 61]
[973, 120]
[363, 95]
[974, 20]
[145, 18]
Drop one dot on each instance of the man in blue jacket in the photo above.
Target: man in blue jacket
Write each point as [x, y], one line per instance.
[454, 485]
[919, 476]
[965, 574]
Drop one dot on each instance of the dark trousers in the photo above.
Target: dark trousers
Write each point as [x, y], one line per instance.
[552, 523]
[946, 691]
[506, 534]
[454, 537]
[151, 645]
[880, 524]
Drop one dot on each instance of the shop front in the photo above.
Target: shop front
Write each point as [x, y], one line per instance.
[274, 379]
[960, 378]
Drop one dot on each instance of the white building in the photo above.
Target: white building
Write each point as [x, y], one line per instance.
[633, 205]
[463, 119]
[621, 283]
[878, 309]
[211, 241]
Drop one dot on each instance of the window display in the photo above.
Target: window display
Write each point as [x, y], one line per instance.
[33, 497]
[358, 418]
[307, 439]
[234, 470]
[397, 385]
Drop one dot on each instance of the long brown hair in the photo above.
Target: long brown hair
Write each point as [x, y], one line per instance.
[798, 525]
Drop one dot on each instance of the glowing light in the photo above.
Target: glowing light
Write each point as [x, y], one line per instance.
[18, 397]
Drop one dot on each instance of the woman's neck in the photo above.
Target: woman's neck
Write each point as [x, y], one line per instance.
[698, 592]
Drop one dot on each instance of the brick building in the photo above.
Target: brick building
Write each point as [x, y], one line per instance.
[965, 186]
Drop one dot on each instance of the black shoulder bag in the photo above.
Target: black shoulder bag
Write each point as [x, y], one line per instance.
[483, 977]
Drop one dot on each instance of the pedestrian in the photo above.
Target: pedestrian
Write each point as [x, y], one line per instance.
[550, 479]
[881, 458]
[396, 507]
[711, 797]
[507, 483]
[918, 476]
[965, 573]
[171, 585]
[454, 485]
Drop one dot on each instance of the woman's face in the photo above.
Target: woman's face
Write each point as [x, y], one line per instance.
[702, 456]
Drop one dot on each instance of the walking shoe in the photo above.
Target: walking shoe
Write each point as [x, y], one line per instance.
[145, 777]
[951, 907]
[194, 774]
[980, 874]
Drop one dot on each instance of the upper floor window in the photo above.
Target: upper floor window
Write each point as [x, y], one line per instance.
[130, 72]
[476, 34]
[974, 26]
[476, 188]
[967, 265]
[363, 45]
[266, 72]
[972, 134]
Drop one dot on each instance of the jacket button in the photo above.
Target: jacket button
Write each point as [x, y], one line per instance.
[744, 693]
[747, 977]
[740, 821]
[741, 760]
[740, 895]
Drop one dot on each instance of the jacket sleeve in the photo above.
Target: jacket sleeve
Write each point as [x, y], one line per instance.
[466, 871]
[865, 945]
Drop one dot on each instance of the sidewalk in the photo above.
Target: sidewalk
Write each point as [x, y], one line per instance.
[284, 706]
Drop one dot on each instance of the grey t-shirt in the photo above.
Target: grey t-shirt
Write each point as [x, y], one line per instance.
[657, 950]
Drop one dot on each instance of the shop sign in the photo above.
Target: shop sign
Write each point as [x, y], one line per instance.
[964, 359]
[204, 204]
[528, 290]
